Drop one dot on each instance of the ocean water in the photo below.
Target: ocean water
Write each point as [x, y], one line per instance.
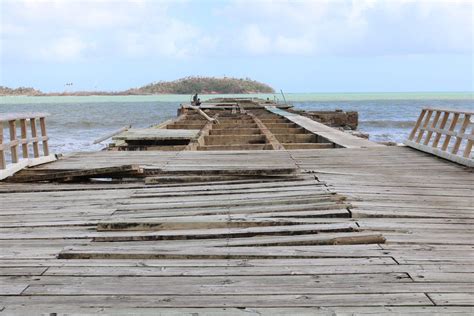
[75, 122]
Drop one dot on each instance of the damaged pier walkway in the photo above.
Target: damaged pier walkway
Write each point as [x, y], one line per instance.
[382, 230]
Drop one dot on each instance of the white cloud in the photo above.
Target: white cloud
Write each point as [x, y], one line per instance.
[254, 41]
[357, 26]
[77, 14]
[76, 29]
[63, 49]
[294, 45]
[179, 40]
[69, 30]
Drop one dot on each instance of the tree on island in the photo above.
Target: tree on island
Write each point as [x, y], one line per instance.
[187, 85]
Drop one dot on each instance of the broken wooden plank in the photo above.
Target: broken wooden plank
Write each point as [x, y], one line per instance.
[227, 233]
[111, 134]
[70, 175]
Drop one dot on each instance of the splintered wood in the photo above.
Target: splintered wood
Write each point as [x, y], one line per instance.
[153, 167]
[384, 230]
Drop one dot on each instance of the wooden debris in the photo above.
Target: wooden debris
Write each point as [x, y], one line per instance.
[73, 175]
[382, 230]
[110, 135]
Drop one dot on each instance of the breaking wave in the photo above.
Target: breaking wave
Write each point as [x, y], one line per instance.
[75, 123]
[388, 124]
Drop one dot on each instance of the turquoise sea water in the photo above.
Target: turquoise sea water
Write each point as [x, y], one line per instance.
[76, 121]
[294, 97]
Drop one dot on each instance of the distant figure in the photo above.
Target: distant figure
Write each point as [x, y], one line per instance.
[195, 99]
[198, 102]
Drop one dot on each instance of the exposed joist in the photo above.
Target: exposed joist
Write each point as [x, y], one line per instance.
[271, 139]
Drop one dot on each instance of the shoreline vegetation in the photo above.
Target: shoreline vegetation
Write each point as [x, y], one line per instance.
[187, 85]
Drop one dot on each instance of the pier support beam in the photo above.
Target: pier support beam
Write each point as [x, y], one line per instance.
[271, 139]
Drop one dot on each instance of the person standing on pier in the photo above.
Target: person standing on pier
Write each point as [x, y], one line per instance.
[196, 100]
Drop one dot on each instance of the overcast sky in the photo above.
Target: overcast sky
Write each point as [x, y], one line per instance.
[298, 46]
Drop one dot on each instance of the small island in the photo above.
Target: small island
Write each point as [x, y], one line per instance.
[19, 91]
[188, 85]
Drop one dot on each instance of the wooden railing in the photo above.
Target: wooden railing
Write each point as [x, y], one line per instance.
[448, 134]
[10, 161]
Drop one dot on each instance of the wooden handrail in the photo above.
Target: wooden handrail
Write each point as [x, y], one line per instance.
[24, 139]
[453, 129]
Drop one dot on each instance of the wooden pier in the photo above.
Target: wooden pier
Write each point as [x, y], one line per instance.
[233, 124]
[210, 228]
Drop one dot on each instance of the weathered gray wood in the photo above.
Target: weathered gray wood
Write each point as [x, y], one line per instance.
[111, 134]
[454, 299]
[211, 263]
[219, 300]
[238, 285]
[459, 134]
[227, 233]
[442, 153]
[24, 140]
[69, 175]
[423, 210]
[156, 134]
[337, 137]
[415, 271]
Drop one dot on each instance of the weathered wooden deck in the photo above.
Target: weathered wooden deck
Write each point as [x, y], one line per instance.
[342, 231]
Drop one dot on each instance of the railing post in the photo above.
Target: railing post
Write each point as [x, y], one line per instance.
[468, 148]
[460, 152]
[13, 141]
[425, 125]
[34, 135]
[9, 167]
[417, 125]
[465, 123]
[3, 164]
[444, 120]
[24, 139]
[433, 125]
[451, 129]
[44, 135]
